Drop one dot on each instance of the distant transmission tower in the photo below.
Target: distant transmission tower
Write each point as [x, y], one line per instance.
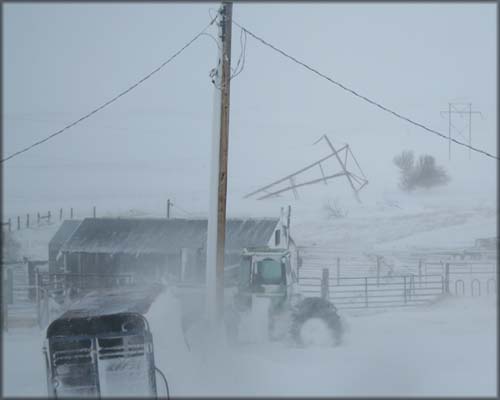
[460, 109]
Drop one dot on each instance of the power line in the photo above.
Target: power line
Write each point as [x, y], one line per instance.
[181, 209]
[359, 95]
[242, 57]
[123, 93]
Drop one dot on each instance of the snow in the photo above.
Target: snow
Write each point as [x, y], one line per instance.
[447, 349]
[163, 150]
[315, 332]
[254, 323]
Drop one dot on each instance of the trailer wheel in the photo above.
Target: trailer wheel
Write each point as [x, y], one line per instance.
[315, 322]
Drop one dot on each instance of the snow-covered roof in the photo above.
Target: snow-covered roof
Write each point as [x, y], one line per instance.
[67, 228]
[163, 236]
[109, 301]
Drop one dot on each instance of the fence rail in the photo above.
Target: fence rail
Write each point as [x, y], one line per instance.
[27, 305]
[80, 282]
[342, 262]
[372, 292]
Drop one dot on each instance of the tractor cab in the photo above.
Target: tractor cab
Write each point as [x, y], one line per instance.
[264, 272]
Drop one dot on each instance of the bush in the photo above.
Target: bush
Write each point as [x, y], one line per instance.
[333, 209]
[423, 173]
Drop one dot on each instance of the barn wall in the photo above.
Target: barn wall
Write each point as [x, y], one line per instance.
[145, 267]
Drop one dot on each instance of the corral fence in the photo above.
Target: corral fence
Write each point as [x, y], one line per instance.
[403, 290]
[29, 305]
[467, 278]
[370, 292]
[54, 282]
[372, 273]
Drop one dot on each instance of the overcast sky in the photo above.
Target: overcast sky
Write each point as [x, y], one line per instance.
[63, 60]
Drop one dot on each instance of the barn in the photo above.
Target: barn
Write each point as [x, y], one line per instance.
[67, 228]
[151, 249]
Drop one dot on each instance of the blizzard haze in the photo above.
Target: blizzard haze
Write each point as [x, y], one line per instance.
[63, 60]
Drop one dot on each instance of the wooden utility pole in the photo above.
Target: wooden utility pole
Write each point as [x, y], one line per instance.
[449, 131]
[217, 213]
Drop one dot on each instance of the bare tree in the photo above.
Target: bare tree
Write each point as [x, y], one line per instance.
[405, 162]
[334, 209]
[424, 173]
[428, 174]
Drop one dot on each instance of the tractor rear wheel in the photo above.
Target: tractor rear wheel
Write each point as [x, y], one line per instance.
[315, 322]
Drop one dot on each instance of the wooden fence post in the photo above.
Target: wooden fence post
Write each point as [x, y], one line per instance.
[37, 296]
[48, 217]
[60, 214]
[378, 269]
[447, 277]
[404, 289]
[93, 212]
[420, 272]
[366, 292]
[338, 270]
[18, 222]
[7, 297]
[9, 286]
[71, 213]
[325, 283]
[8, 223]
[27, 220]
[5, 312]
[38, 218]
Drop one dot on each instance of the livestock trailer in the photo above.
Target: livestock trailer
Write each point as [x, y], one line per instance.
[102, 346]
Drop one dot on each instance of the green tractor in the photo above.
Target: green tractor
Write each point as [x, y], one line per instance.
[268, 302]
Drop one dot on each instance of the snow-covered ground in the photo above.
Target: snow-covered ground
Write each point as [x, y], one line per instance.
[447, 349]
[154, 145]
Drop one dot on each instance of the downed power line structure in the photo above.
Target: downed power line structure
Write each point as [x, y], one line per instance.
[355, 181]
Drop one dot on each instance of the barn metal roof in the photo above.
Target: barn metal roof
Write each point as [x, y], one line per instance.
[67, 228]
[163, 236]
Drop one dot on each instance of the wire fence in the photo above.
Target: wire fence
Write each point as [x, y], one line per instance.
[38, 219]
[368, 292]
[42, 219]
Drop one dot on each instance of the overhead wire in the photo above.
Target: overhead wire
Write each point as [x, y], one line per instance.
[214, 39]
[115, 98]
[182, 210]
[355, 93]
[242, 57]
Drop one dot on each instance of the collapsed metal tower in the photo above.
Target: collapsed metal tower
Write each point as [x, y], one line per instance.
[356, 182]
